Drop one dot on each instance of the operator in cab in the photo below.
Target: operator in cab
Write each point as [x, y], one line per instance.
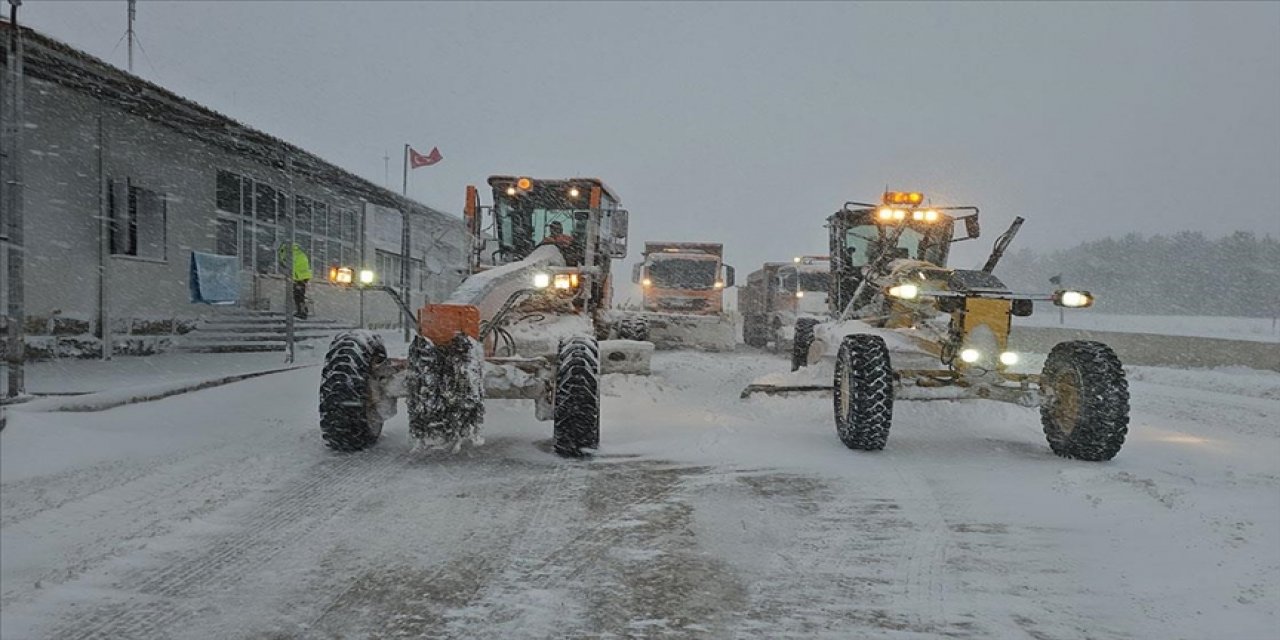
[557, 236]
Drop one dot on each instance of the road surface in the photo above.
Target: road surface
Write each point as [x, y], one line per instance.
[220, 514]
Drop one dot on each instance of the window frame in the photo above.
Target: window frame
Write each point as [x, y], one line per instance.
[126, 221]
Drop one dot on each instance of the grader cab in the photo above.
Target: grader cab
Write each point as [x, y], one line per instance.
[946, 332]
[523, 325]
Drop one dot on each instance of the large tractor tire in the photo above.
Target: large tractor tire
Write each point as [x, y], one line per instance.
[633, 328]
[754, 333]
[446, 390]
[349, 416]
[800, 345]
[863, 392]
[1084, 403]
[577, 397]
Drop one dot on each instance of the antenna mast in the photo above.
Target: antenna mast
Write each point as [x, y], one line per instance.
[133, 11]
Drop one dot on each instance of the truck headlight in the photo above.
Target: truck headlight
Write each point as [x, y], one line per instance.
[905, 291]
[541, 280]
[564, 281]
[646, 282]
[1009, 358]
[1073, 299]
[367, 276]
[970, 355]
[799, 294]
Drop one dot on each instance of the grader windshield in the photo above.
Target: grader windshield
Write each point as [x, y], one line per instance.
[530, 212]
[902, 226]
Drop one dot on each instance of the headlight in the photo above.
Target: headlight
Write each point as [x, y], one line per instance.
[511, 191]
[646, 282]
[719, 285]
[573, 193]
[367, 276]
[886, 213]
[931, 216]
[970, 355]
[1073, 299]
[906, 291]
[799, 294]
[917, 215]
[1008, 358]
[899, 214]
[563, 281]
[542, 280]
[340, 275]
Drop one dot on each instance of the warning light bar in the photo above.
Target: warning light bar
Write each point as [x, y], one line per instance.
[903, 197]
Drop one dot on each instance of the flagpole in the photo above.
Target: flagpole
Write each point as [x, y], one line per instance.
[404, 243]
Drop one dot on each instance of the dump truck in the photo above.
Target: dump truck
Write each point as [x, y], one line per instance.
[683, 287]
[525, 324]
[902, 325]
[778, 294]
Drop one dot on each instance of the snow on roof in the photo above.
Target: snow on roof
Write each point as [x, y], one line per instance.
[53, 61]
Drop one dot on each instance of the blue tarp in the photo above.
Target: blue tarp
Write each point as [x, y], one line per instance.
[215, 279]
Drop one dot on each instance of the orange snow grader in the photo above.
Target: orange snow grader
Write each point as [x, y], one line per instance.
[523, 325]
[902, 325]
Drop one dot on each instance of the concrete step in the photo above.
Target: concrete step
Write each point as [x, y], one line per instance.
[301, 325]
[211, 336]
[244, 347]
[240, 330]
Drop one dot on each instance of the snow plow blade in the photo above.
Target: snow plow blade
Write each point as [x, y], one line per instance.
[784, 389]
[705, 333]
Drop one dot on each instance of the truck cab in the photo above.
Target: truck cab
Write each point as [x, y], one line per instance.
[779, 293]
[683, 277]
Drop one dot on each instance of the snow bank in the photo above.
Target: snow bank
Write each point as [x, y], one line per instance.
[1232, 328]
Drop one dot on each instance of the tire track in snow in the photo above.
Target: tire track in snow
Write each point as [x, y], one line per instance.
[156, 497]
[160, 597]
[561, 567]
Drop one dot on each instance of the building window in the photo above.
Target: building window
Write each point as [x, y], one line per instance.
[254, 221]
[252, 217]
[228, 192]
[138, 220]
[326, 233]
[226, 243]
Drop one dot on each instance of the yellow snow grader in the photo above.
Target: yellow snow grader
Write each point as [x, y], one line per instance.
[902, 325]
[523, 325]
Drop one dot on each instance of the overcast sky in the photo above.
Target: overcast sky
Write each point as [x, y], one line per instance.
[750, 123]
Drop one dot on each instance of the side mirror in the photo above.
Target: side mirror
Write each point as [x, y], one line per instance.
[971, 229]
[637, 270]
[617, 233]
[728, 276]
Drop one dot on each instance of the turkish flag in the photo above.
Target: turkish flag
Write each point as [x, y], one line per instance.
[418, 160]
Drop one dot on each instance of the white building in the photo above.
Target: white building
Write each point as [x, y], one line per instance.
[123, 180]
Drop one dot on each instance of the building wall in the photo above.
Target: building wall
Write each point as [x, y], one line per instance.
[76, 145]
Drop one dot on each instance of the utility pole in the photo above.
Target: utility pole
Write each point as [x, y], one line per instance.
[133, 12]
[16, 353]
[289, 284]
[404, 243]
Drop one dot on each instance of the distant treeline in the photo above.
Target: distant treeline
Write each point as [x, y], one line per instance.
[1182, 274]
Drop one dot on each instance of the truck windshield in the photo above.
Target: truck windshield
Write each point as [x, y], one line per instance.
[677, 273]
[807, 281]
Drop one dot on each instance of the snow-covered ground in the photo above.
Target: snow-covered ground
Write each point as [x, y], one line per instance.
[220, 514]
[1231, 328]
